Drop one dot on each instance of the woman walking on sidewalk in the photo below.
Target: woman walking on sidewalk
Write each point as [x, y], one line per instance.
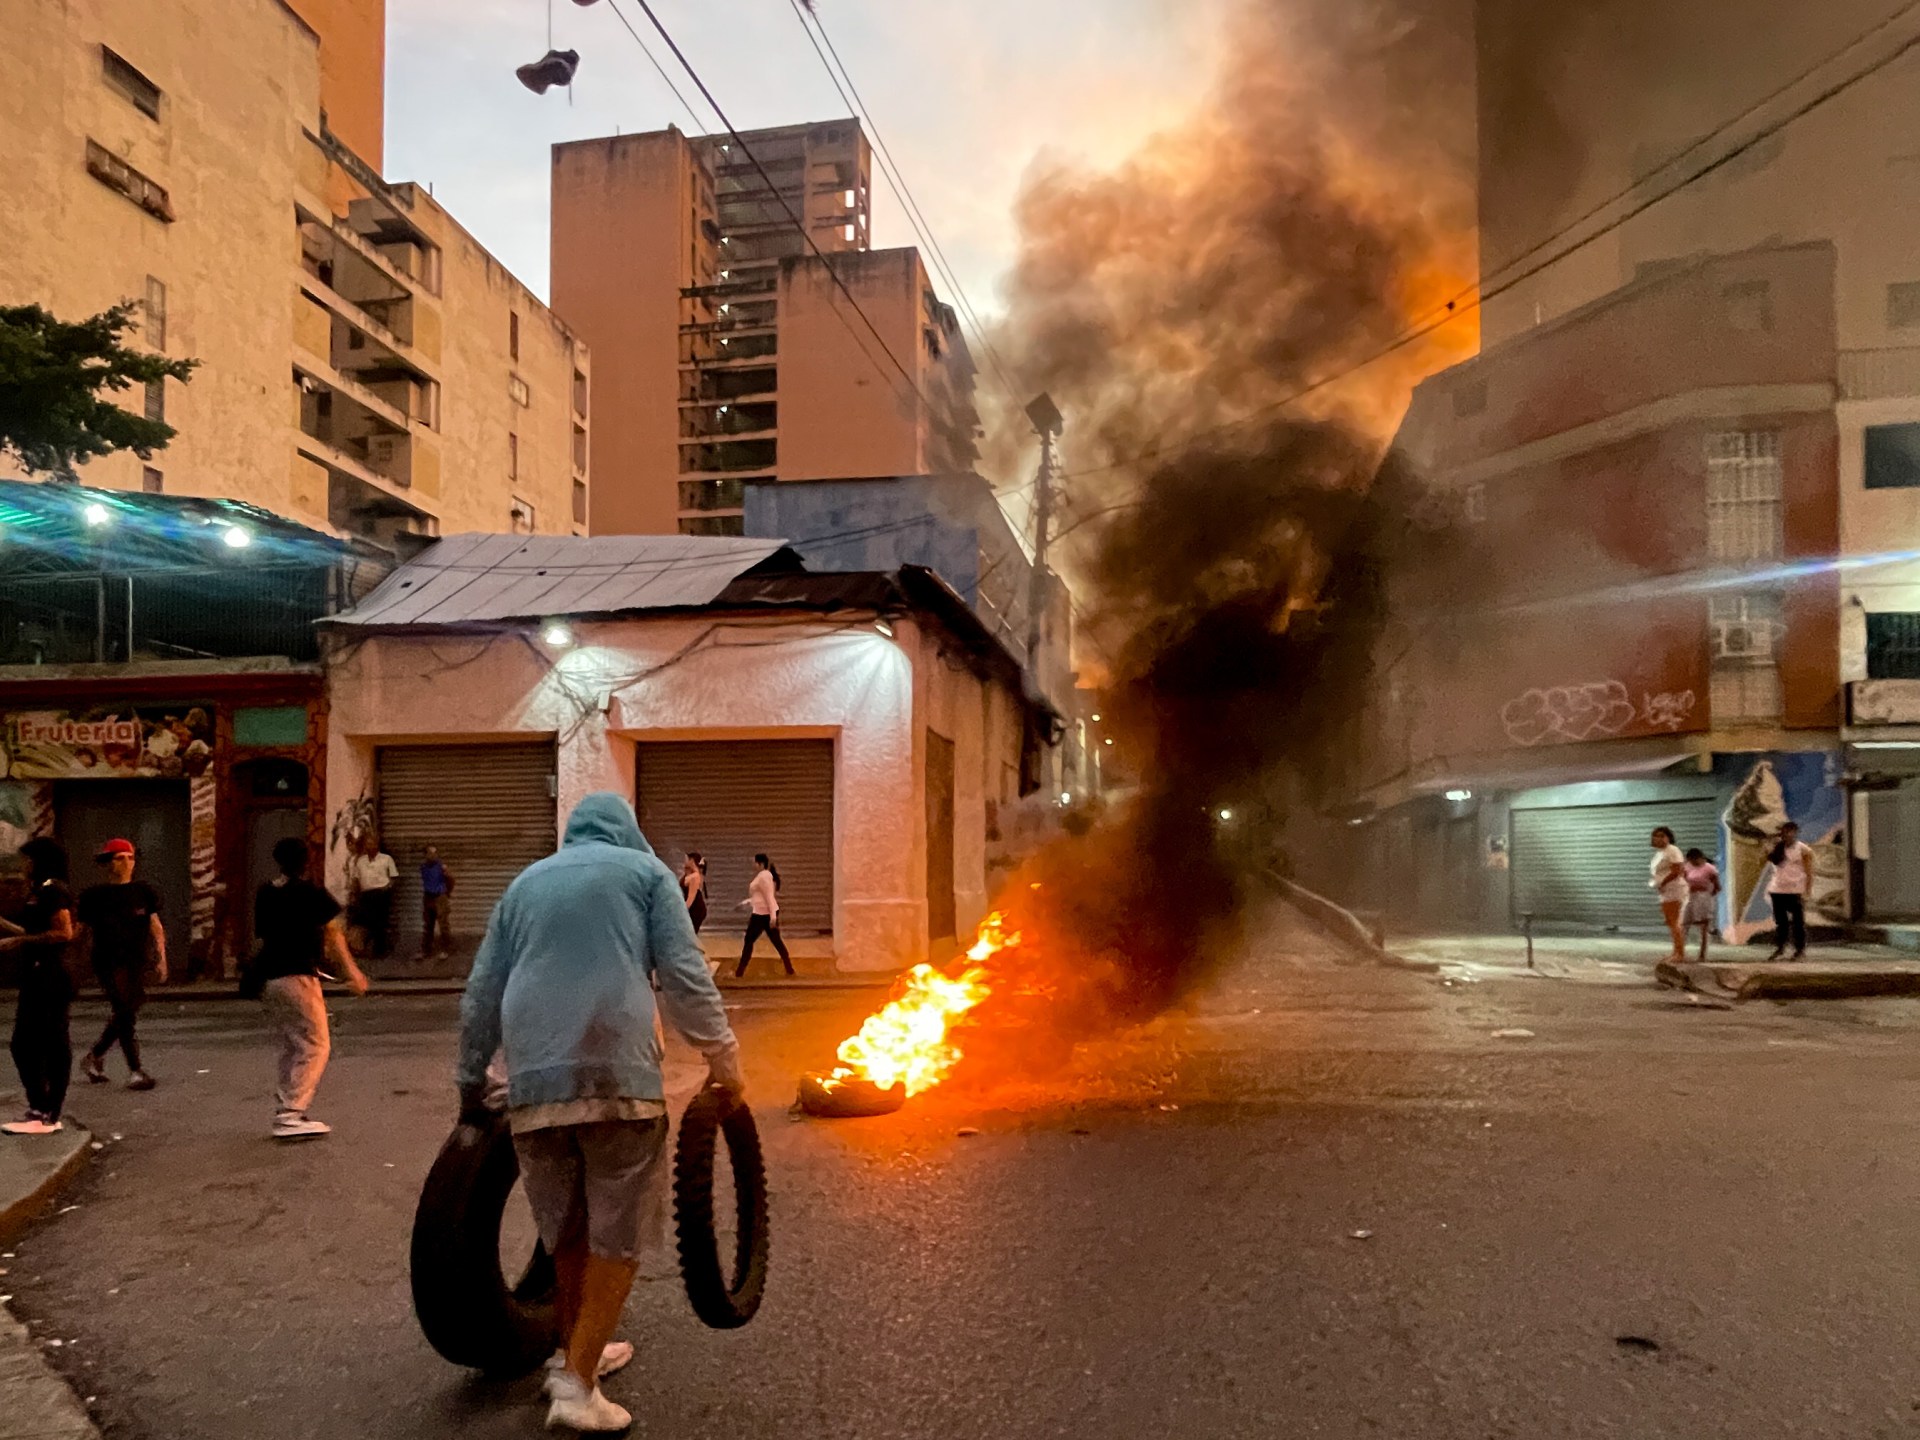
[693, 888]
[763, 900]
[1668, 880]
[1788, 888]
[42, 1039]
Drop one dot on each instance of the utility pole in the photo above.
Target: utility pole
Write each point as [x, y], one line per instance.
[1047, 421]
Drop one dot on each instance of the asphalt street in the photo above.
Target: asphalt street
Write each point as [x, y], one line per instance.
[1332, 1200]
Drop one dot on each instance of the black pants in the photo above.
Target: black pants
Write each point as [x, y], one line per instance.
[758, 925]
[697, 912]
[42, 1044]
[1789, 914]
[125, 993]
[375, 917]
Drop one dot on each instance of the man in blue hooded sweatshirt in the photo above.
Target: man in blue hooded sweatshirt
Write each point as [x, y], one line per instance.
[564, 982]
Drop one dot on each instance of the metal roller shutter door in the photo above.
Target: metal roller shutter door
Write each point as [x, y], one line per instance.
[731, 798]
[489, 809]
[1588, 864]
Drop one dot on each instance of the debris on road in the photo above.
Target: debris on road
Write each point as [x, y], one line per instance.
[967, 1132]
[1513, 1033]
[1637, 1344]
[1359, 1234]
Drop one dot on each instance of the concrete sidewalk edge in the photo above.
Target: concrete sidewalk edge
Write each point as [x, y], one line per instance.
[36, 1400]
[19, 1211]
[1344, 925]
[1796, 980]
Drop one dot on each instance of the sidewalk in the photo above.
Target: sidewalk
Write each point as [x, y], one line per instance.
[1732, 971]
[35, 1403]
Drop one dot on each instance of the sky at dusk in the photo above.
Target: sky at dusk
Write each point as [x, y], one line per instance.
[967, 95]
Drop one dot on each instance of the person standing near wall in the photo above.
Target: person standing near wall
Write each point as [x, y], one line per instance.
[763, 903]
[120, 926]
[1788, 888]
[1668, 880]
[300, 931]
[370, 877]
[42, 1039]
[693, 888]
[436, 904]
[1703, 893]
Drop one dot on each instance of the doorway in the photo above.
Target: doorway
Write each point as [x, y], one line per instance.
[942, 921]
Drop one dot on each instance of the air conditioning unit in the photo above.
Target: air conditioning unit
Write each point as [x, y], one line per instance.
[1742, 640]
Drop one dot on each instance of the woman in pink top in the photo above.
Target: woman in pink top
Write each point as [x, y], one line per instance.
[1703, 887]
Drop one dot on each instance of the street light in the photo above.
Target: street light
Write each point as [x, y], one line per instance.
[557, 634]
[96, 514]
[1459, 797]
[236, 538]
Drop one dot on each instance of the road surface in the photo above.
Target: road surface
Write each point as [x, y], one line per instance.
[1334, 1201]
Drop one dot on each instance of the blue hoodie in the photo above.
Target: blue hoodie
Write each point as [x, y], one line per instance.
[563, 977]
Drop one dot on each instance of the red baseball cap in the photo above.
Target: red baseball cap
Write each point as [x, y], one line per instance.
[115, 847]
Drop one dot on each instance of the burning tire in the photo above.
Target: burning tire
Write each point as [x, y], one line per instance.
[723, 1303]
[466, 1308]
[848, 1099]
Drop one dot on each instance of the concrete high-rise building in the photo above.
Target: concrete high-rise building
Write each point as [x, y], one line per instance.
[365, 365]
[726, 348]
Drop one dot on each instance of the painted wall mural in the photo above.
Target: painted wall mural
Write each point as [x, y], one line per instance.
[1769, 790]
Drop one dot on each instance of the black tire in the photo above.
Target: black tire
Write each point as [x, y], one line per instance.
[466, 1308]
[848, 1099]
[723, 1303]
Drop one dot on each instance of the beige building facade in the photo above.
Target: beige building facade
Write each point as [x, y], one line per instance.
[365, 365]
[730, 350]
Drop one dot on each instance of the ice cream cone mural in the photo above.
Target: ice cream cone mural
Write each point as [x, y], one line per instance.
[1801, 786]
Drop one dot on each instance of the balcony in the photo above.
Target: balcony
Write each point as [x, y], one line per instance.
[729, 421]
[363, 341]
[728, 457]
[711, 385]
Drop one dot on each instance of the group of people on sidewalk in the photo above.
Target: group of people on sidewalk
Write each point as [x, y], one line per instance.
[1688, 885]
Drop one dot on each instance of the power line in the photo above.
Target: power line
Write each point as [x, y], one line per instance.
[780, 199]
[698, 123]
[896, 179]
[1478, 300]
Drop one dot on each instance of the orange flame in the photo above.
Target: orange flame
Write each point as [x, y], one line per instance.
[908, 1041]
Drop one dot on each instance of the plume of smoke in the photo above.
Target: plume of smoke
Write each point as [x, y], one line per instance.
[1236, 586]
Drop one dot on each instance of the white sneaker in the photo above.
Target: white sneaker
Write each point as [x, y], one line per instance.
[32, 1126]
[299, 1127]
[575, 1407]
[617, 1355]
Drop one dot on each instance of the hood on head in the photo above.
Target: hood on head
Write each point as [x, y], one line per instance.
[607, 819]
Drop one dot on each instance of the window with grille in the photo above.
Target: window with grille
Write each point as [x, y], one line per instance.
[1893, 646]
[156, 313]
[151, 480]
[157, 401]
[1744, 633]
[513, 334]
[513, 456]
[1744, 474]
[122, 76]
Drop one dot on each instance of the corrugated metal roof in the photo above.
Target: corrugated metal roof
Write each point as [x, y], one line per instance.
[469, 578]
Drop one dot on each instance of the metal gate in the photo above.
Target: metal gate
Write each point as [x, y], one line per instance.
[729, 799]
[489, 809]
[1589, 864]
[1893, 867]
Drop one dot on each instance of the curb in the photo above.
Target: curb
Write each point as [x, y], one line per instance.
[17, 1213]
[1746, 982]
[1343, 924]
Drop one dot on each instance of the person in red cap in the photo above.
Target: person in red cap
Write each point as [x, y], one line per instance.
[120, 928]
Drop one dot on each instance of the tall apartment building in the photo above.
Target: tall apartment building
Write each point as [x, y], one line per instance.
[727, 349]
[1684, 476]
[366, 366]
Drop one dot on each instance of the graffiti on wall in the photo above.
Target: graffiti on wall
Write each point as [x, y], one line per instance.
[351, 821]
[1590, 711]
[1801, 786]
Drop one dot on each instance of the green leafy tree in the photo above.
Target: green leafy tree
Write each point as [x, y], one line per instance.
[56, 384]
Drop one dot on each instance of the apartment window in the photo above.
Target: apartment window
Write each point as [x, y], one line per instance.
[1470, 399]
[1893, 457]
[157, 401]
[513, 456]
[1744, 473]
[1749, 304]
[1745, 632]
[156, 314]
[517, 389]
[579, 393]
[579, 448]
[513, 334]
[1893, 646]
[123, 77]
[114, 173]
[579, 502]
[151, 480]
[520, 516]
[1903, 305]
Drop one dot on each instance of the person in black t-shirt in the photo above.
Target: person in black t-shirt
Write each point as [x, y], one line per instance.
[120, 923]
[42, 1047]
[300, 931]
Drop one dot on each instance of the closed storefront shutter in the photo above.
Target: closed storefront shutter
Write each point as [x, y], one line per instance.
[1589, 864]
[1893, 867]
[731, 798]
[488, 808]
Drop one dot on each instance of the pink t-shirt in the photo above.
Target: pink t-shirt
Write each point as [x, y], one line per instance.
[1704, 878]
